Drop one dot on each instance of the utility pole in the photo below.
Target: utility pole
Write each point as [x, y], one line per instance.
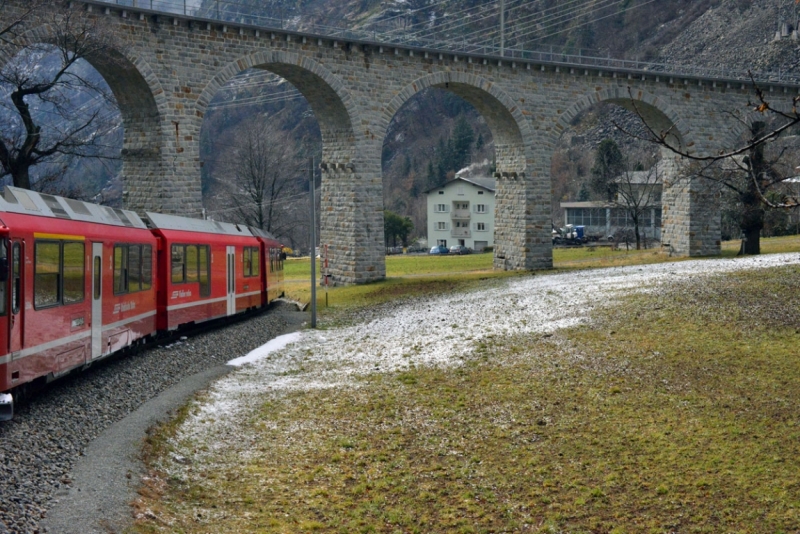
[313, 244]
[502, 27]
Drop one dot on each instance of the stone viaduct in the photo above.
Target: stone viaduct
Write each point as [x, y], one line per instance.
[167, 68]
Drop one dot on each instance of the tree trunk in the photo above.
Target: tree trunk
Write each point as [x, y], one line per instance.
[752, 208]
[752, 241]
[21, 176]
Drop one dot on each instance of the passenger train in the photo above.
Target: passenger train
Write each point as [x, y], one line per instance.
[80, 281]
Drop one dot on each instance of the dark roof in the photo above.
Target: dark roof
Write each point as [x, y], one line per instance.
[484, 183]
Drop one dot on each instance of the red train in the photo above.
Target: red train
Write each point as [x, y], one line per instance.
[79, 281]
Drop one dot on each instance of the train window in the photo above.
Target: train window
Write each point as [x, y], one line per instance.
[16, 277]
[190, 264]
[134, 268]
[120, 269]
[74, 272]
[47, 276]
[192, 271]
[147, 266]
[178, 264]
[251, 261]
[205, 285]
[98, 277]
[58, 273]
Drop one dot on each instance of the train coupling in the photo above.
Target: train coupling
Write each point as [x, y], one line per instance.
[6, 406]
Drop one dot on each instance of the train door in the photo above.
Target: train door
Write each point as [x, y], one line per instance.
[17, 315]
[231, 280]
[97, 300]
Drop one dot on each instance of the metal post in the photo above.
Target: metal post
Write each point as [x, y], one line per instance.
[313, 244]
[502, 27]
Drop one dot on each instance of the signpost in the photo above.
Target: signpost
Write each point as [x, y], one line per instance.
[313, 247]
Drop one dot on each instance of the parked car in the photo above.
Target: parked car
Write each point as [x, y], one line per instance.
[459, 249]
[438, 249]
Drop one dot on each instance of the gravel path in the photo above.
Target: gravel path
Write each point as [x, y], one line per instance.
[56, 431]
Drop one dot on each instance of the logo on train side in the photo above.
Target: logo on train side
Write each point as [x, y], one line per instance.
[181, 294]
[124, 306]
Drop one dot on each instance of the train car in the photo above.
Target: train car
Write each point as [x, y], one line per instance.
[272, 258]
[76, 284]
[208, 270]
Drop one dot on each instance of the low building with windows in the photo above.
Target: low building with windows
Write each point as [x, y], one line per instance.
[461, 212]
[605, 219]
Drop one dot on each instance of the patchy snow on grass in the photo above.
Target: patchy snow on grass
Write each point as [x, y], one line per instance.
[266, 349]
[428, 331]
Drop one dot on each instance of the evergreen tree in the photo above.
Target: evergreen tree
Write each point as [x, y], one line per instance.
[463, 136]
[608, 164]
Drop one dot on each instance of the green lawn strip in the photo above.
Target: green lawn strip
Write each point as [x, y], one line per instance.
[672, 412]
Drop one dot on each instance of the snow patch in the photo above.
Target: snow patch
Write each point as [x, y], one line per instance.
[265, 350]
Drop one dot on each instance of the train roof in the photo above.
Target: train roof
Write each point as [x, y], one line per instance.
[185, 224]
[258, 232]
[17, 200]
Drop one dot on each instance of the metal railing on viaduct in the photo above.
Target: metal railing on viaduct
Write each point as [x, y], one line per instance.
[228, 11]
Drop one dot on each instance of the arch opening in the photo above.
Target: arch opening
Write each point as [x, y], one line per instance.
[434, 138]
[257, 136]
[102, 108]
[611, 184]
[511, 234]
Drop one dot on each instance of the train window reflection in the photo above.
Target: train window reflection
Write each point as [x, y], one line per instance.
[47, 276]
[178, 264]
[74, 272]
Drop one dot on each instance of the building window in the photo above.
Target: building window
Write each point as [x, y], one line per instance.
[480, 227]
[441, 208]
[480, 192]
[442, 242]
[58, 273]
[480, 208]
[441, 192]
[441, 225]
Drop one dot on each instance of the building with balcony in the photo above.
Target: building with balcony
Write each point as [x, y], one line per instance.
[461, 212]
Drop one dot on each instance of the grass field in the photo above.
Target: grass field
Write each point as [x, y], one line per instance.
[419, 274]
[671, 412]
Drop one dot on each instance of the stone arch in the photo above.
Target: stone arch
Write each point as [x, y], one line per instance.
[351, 216]
[142, 104]
[657, 113]
[511, 131]
[333, 107]
[689, 218]
[520, 230]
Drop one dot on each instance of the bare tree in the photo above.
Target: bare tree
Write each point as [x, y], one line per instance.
[261, 182]
[627, 183]
[54, 107]
[757, 170]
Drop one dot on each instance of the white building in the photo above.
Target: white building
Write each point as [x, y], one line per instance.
[461, 212]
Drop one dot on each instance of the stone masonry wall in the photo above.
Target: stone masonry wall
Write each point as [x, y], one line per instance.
[171, 67]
